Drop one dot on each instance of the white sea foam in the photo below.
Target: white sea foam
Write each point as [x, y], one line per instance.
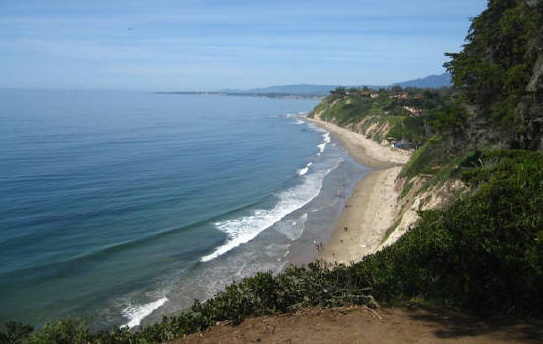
[292, 229]
[244, 229]
[326, 137]
[136, 313]
[322, 146]
[303, 171]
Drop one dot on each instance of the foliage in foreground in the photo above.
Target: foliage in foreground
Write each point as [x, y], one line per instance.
[318, 284]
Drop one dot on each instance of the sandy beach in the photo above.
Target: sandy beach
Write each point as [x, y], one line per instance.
[372, 207]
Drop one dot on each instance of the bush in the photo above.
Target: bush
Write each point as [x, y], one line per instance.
[62, 332]
[15, 332]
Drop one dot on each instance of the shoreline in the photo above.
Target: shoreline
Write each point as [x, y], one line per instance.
[372, 207]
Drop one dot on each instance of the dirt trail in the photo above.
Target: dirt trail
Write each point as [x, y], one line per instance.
[362, 325]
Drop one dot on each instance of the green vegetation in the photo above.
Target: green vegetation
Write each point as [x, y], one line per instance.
[499, 71]
[15, 332]
[425, 160]
[317, 284]
[483, 252]
[406, 114]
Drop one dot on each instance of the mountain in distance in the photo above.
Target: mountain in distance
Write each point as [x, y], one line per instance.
[432, 81]
[318, 91]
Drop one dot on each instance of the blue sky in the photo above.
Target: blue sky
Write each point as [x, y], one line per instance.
[207, 45]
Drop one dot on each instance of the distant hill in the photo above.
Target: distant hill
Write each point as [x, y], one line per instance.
[432, 81]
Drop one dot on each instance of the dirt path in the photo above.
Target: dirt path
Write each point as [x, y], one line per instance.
[361, 325]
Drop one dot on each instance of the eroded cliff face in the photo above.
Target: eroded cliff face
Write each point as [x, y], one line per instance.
[373, 128]
[420, 197]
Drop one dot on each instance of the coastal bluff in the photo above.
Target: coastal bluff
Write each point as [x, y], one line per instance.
[377, 214]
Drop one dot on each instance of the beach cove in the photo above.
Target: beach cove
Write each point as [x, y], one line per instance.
[372, 207]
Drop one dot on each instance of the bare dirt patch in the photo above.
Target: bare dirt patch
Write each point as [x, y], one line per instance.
[362, 325]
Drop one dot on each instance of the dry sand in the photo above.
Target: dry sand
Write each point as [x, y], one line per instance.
[371, 209]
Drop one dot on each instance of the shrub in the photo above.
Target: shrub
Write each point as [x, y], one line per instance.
[62, 332]
[15, 332]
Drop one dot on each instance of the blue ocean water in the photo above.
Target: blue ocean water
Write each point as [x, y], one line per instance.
[120, 207]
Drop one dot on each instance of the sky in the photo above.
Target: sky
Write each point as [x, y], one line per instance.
[204, 45]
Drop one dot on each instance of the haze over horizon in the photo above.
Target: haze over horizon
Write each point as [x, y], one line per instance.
[187, 45]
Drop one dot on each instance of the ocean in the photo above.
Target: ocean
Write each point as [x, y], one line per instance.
[121, 207]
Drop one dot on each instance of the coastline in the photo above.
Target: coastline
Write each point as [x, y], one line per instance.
[372, 207]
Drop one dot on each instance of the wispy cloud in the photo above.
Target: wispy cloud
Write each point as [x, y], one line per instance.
[344, 41]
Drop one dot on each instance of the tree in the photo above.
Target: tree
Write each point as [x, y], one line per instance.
[340, 90]
[494, 68]
[396, 89]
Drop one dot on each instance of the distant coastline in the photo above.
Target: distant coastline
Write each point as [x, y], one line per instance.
[248, 94]
[308, 91]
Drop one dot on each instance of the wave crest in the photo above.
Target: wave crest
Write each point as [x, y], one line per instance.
[136, 313]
